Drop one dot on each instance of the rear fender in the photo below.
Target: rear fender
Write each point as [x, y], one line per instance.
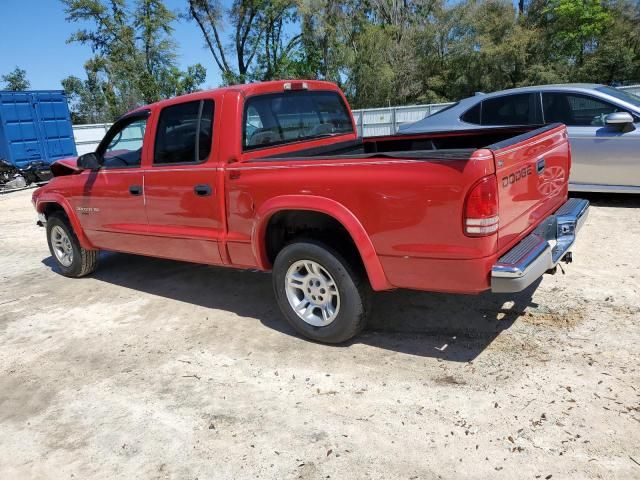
[339, 212]
[58, 199]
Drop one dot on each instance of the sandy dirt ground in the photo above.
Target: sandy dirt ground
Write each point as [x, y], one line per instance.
[153, 369]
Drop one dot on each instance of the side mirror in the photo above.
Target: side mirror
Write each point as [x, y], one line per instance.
[89, 161]
[618, 118]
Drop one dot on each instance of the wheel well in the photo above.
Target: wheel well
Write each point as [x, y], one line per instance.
[50, 208]
[287, 225]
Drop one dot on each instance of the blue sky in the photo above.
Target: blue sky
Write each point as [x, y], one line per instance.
[34, 34]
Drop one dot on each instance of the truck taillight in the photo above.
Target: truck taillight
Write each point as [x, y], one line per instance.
[296, 86]
[481, 208]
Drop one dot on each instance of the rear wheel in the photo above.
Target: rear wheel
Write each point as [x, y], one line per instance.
[71, 258]
[322, 296]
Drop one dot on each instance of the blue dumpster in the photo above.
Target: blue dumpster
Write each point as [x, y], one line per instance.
[35, 126]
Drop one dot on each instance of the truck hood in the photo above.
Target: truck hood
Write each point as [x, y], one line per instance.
[65, 166]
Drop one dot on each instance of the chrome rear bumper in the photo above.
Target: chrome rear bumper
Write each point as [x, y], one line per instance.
[541, 250]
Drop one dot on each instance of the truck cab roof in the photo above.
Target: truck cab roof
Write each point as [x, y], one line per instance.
[245, 90]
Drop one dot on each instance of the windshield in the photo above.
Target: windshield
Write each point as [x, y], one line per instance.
[621, 95]
[292, 116]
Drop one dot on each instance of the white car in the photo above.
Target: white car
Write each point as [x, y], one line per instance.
[603, 125]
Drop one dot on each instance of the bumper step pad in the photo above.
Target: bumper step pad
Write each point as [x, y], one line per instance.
[541, 250]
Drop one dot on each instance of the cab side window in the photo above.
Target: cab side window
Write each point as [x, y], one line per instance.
[575, 109]
[518, 109]
[124, 149]
[185, 133]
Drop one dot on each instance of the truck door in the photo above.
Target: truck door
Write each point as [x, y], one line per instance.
[110, 205]
[182, 199]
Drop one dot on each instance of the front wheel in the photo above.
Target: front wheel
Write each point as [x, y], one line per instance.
[322, 296]
[71, 258]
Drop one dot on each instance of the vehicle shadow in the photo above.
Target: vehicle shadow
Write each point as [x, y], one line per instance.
[617, 200]
[447, 326]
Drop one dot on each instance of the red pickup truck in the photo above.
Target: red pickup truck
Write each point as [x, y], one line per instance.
[272, 176]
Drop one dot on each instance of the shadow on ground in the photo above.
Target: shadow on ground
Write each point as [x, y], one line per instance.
[617, 200]
[448, 326]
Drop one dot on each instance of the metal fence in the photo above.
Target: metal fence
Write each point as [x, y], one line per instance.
[88, 136]
[370, 121]
[386, 121]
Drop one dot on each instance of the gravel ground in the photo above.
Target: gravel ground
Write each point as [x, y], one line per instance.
[159, 369]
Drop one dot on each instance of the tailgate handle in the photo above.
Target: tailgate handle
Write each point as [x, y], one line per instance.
[540, 166]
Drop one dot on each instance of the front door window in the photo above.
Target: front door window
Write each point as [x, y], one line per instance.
[124, 147]
[576, 110]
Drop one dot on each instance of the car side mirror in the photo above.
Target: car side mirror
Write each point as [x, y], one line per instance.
[618, 118]
[89, 161]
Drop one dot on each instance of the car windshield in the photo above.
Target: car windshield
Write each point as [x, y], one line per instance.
[621, 95]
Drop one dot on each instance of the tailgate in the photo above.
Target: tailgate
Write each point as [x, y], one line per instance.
[533, 173]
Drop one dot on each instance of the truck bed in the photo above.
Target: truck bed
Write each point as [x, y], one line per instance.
[531, 165]
[458, 145]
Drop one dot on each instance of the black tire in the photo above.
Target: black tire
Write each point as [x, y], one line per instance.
[352, 285]
[83, 261]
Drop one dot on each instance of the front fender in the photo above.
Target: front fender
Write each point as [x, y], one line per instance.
[339, 212]
[47, 198]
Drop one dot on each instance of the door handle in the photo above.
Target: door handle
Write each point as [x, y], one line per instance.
[202, 190]
[135, 189]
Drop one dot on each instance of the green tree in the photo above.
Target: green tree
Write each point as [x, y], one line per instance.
[572, 28]
[276, 58]
[16, 80]
[88, 98]
[323, 50]
[381, 52]
[617, 56]
[258, 47]
[247, 30]
[371, 76]
[134, 53]
[502, 45]
[86, 102]
[447, 62]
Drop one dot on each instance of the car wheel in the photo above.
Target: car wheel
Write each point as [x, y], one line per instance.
[323, 297]
[72, 260]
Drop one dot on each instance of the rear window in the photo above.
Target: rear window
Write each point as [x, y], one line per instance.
[516, 109]
[520, 109]
[287, 117]
[472, 115]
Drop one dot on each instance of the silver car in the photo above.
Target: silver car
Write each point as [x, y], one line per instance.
[603, 125]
